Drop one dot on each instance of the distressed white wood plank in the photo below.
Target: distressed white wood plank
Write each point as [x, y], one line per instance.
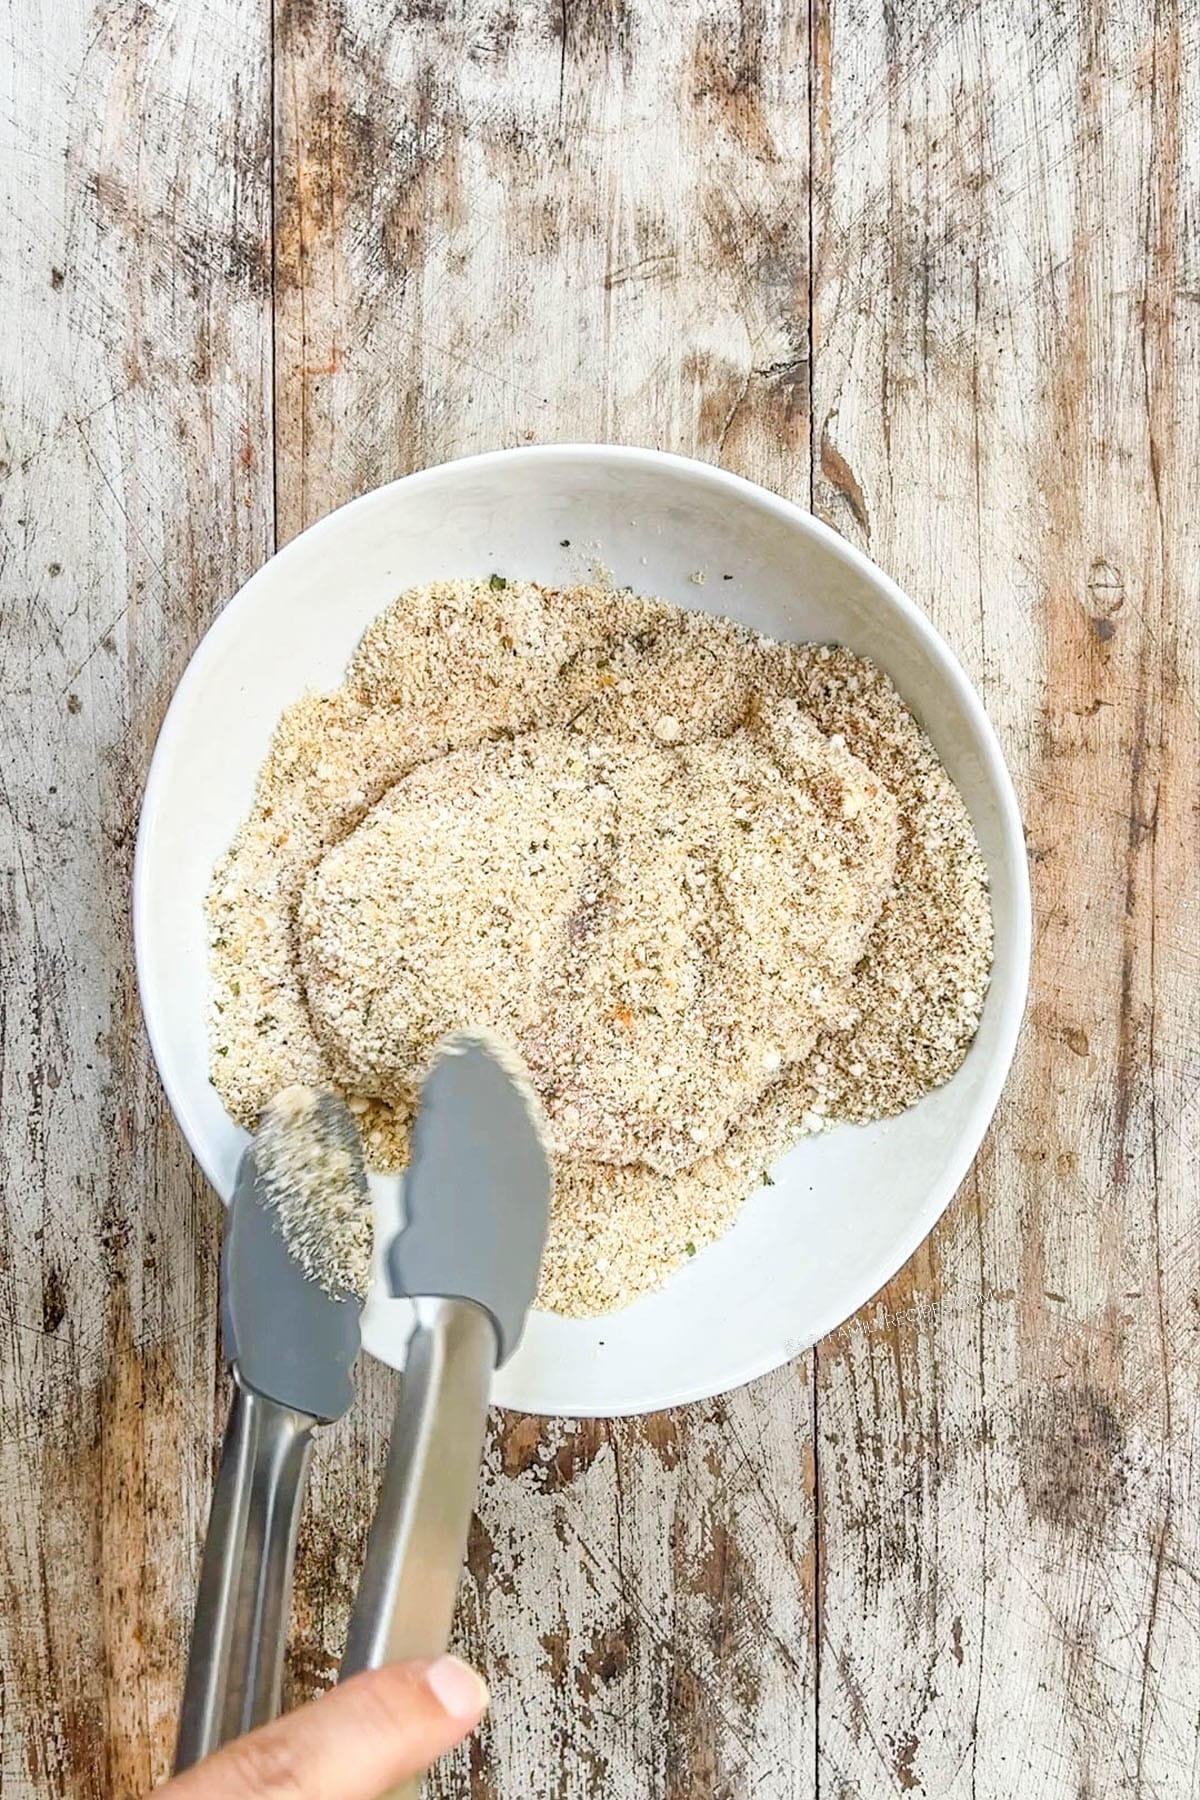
[641, 1594]
[503, 224]
[134, 387]
[1005, 367]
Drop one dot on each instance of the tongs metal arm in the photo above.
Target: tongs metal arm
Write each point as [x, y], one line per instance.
[235, 1666]
[405, 1601]
[404, 1607]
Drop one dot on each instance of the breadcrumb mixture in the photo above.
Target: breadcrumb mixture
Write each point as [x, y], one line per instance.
[310, 1163]
[718, 892]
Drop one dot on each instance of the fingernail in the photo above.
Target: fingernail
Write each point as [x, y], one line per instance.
[458, 1690]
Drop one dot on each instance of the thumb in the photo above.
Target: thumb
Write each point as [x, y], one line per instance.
[354, 1743]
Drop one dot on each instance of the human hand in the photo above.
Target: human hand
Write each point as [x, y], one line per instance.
[354, 1743]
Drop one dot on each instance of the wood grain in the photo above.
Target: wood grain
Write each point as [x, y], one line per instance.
[933, 268]
[1005, 364]
[134, 370]
[500, 224]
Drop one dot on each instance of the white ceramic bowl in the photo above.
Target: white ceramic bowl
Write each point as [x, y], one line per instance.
[846, 1209]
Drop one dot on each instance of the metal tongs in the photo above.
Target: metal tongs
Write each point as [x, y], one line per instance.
[477, 1198]
[291, 1347]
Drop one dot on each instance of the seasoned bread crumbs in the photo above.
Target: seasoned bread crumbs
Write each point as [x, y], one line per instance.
[717, 891]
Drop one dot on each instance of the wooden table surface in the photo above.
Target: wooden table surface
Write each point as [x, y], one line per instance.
[931, 267]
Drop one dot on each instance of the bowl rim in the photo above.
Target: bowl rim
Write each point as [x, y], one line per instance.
[1012, 853]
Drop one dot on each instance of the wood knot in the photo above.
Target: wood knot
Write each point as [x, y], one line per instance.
[1106, 587]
